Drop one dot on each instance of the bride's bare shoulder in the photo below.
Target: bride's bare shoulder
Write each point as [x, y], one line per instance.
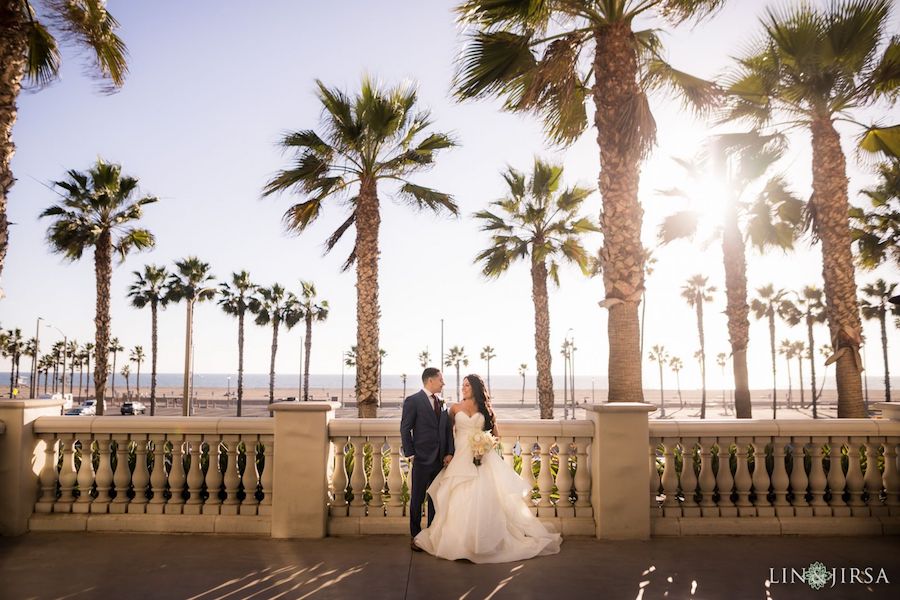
[454, 408]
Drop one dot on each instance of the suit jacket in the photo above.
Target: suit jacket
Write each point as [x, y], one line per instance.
[423, 434]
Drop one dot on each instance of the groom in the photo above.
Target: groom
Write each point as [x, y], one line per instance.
[427, 436]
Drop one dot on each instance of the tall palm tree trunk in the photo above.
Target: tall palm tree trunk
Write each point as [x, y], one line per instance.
[153, 350]
[831, 212]
[787, 361]
[662, 396]
[458, 384]
[80, 379]
[884, 350]
[275, 324]
[542, 337]
[46, 374]
[137, 381]
[812, 364]
[774, 373]
[103, 272]
[800, 385]
[240, 381]
[307, 348]
[617, 100]
[188, 340]
[368, 220]
[87, 368]
[737, 311]
[523, 389]
[13, 44]
[702, 355]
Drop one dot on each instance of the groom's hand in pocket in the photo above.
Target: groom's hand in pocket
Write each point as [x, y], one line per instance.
[447, 459]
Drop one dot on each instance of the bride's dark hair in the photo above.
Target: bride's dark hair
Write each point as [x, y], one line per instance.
[482, 400]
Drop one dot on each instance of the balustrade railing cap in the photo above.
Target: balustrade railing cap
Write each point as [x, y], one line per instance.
[32, 403]
[620, 407]
[889, 410]
[294, 406]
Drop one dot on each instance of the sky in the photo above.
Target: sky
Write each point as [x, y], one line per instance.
[212, 87]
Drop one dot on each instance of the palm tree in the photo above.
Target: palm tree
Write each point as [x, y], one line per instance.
[786, 349]
[454, 358]
[487, 355]
[13, 347]
[722, 361]
[56, 351]
[78, 361]
[817, 66]
[126, 373]
[88, 352]
[276, 306]
[234, 299]
[659, 355]
[149, 289]
[190, 282]
[768, 304]
[138, 357]
[376, 136]
[537, 220]
[29, 54]
[772, 219]
[381, 355]
[677, 365]
[47, 362]
[523, 368]
[115, 347]
[696, 292]
[311, 311]
[810, 309]
[550, 58]
[403, 380]
[800, 351]
[98, 211]
[72, 349]
[424, 358]
[30, 350]
[877, 231]
[877, 306]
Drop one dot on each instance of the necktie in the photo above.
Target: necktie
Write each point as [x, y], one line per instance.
[437, 406]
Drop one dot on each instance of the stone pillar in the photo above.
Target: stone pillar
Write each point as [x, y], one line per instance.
[619, 491]
[22, 457]
[300, 476]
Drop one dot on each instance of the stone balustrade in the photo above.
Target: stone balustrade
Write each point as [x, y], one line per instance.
[371, 495]
[789, 476]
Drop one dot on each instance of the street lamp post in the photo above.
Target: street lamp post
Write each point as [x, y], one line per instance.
[34, 359]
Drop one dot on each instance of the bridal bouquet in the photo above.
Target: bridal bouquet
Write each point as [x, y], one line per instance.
[481, 443]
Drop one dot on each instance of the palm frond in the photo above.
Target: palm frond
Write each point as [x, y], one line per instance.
[90, 24]
[881, 140]
[42, 55]
[681, 225]
[427, 198]
[695, 93]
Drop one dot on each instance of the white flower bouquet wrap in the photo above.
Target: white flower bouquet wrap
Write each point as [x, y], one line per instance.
[481, 443]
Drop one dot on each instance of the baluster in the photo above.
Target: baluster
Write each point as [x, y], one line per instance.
[193, 506]
[339, 503]
[250, 479]
[780, 479]
[761, 478]
[799, 480]
[891, 477]
[268, 476]
[564, 506]
[67, 476]
[140, 479]
[689, 507]
[49, 474]
[122, 476]
[176, 475]
[231, 477]
[707, 479]
[104, 476]
[545, 478]
[213, 504]
[671, 507]
[742, 480]
[527, 473]
[873, 478]
[395, 481]
[85, 477]
[158, 476]
[655, 482]
[724, 478]
[583, 506]
[508, 449]
[376, 481]
[817, 481]
[855, 481]
[836, 479]
[358, 478]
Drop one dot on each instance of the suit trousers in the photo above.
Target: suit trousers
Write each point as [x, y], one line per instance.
[422, 476]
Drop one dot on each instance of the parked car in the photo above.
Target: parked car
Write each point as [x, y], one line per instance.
[89, 407]
[77, 411]
[133, 408]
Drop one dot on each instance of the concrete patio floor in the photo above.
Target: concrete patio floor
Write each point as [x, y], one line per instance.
[81, 566]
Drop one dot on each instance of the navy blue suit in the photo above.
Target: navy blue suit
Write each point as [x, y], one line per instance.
[429, 438]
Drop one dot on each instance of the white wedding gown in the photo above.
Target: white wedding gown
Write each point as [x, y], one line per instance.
[480, 511]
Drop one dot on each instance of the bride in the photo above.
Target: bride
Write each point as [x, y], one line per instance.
[480, 511]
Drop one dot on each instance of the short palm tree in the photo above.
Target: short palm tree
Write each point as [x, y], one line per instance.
[771, 220]
[31, 351]
[30, 56]
[424, 358]
[809, 309]
[138, 357]
[551, 59]
[114, 348]
[310, 311]
[88, 352]
[234, 299]
[126, 373]
[456, 357]
[876, 230]
[814, 66]
[375, 137]
[659, 355]
[537, 220]
[767, 305]
[149, 289]
[696, 292]
[98, 211]
[722, 361]
[276, 307]
[523, 369]
[487, 355]
[13, 347]
[72, 349]
[800, 351]
[786, 349]
[676, 364]
[191, 282]
[45, 364]
[876, 305]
